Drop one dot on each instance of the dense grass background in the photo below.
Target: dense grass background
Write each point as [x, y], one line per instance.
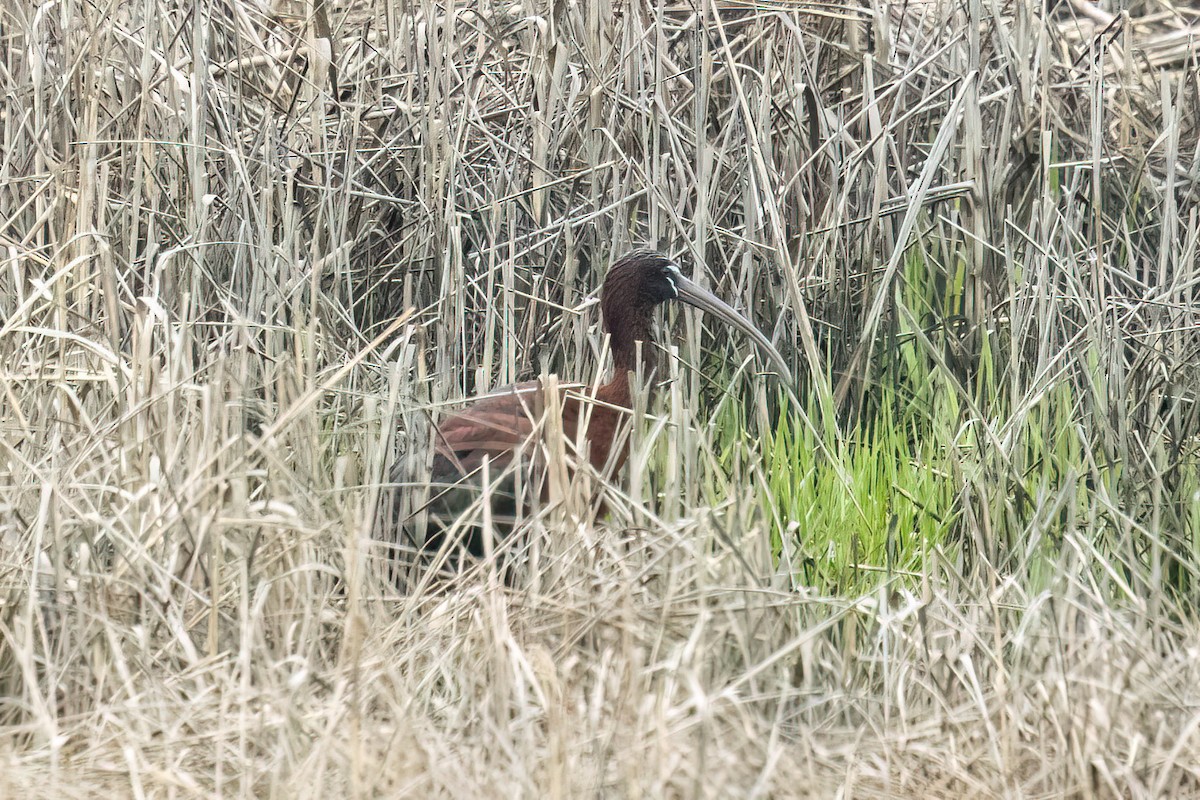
[248, 251]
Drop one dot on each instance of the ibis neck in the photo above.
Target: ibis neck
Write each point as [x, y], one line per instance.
[625, 345]
[625, 340]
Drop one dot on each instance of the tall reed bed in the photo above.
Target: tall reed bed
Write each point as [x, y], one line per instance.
[249, 251]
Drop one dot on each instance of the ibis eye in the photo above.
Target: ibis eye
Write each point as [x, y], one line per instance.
[672, 274]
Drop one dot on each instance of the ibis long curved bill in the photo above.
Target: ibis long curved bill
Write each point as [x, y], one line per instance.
[692, 293]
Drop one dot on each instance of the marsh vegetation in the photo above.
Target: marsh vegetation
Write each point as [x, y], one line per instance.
[249, 250]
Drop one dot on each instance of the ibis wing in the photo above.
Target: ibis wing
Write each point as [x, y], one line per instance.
[500, 427]
[494, 426]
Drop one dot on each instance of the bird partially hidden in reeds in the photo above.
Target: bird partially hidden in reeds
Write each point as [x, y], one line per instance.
[492, 450]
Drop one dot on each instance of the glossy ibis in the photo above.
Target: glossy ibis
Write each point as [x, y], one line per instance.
[504, 427]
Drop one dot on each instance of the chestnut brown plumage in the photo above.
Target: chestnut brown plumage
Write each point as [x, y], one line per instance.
[501, 426]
